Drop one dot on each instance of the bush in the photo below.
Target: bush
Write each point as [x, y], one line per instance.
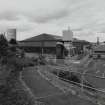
[72, 77]
[64, 74]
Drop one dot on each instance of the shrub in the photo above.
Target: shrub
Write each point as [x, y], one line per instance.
[74, 78]
[64, 74]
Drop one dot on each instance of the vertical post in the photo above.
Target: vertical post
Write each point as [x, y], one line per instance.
[60, 53]
[70, 46]
[82, 82]
[42, 51]
[42, 48]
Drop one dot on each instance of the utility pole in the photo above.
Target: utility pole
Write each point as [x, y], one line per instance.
[98, 41]
[42, 48]
[69, 47]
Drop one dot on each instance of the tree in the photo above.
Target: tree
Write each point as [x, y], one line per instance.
[3, 46]
[12, 88]
[12, 91]
[13, 42]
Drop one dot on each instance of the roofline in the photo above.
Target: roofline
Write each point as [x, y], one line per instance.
[42, 40]
[57, 41]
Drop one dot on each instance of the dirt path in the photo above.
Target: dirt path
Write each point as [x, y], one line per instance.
[39, 86]
[42, 88]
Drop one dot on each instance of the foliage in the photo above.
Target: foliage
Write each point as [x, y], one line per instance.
[41, 60]
[73, 77]
[64, 74]
[3, 46]
[13, 41]
[12, 89]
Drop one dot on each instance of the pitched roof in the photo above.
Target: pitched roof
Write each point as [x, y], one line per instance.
[43, 37]
[49, 40]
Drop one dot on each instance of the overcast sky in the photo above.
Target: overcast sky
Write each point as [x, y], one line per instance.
[31, 17]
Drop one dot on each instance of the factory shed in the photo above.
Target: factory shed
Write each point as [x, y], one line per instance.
[45, 43]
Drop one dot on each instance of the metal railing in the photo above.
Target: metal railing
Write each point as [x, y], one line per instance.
[82, 78]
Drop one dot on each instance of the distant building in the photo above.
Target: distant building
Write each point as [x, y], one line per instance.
[67, 35]
[46, 43]
[99, 50]
[10, 34]
[43, 43]
[68, 38]
[80, 45]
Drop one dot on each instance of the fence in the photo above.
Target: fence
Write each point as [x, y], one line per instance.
[94, 94]
[97, 82]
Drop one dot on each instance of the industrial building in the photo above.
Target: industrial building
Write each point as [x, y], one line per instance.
[46, 43]
[43, 43]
